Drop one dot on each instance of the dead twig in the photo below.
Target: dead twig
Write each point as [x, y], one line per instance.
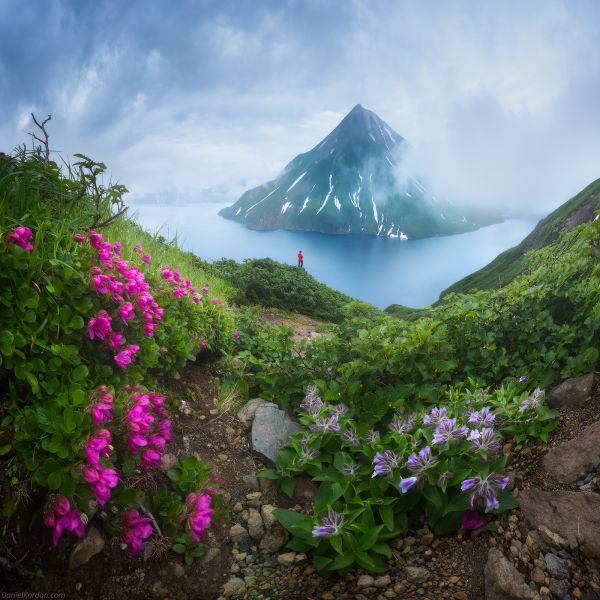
[15, 566]
[151, 516]
[42, 127]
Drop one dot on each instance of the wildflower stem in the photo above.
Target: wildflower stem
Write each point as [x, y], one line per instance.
[152, 519]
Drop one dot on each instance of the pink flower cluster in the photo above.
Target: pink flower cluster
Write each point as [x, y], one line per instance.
[149, 427]
[20, 236]
[125, 284]
[200, 514]
[135, 529]
[102, 410]
[180, 288]
[101, 479]
[61, 516]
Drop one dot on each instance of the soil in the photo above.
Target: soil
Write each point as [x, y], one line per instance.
[206, 425]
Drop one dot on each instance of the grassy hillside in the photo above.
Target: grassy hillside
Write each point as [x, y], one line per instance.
[509, 264]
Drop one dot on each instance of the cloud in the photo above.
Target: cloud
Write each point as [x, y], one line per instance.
[498, 99]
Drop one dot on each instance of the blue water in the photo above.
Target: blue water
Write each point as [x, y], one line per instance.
[378, 270]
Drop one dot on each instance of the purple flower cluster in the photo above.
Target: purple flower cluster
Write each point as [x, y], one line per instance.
[534, 401]
[312, 404]
[385, 462]
[332, 525]
[350, 436]
[448, 430]
[400, 425]
[434, 417]
[482, 418]
[307, 453]
[325, 424]
[135, 530]
[484, 491]
[61, 516]
[418, 463]
[485, 440]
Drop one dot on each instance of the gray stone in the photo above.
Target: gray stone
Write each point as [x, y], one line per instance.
[287, 559]
[557, 567]
[251, 482]
[365, 581]
[537, 575]
[568, 514]
[247, 413]
[382, 581]
[571, 460]
[210, 555]
[503, 581]
[572, 393]
[178, 571]
[417, 574]
[559, 588]
[255, 525]
[271, 429]
[234, 588]
[89, 546]
[240, 536]
[167, 461]
[551, 538]
[266, 512]
[274, 539]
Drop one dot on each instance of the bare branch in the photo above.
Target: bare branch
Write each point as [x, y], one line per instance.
[42, 127]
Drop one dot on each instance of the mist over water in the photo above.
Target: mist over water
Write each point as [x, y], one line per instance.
[378, 270]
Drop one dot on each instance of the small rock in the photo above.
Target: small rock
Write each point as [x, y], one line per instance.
[210, 555]
[274, 539]
[365, 581]
[251, 482]
[327, 596]
[247, 413]
[416, 574]
[167, 461]
[255, 525]
[427, 538]
[559, 587]
[178, 570]
[240, 536]
[503, 581]
[286, 559]
[460, 596]
[266, 512]
[89, 546]
[382, 581]
[537, 575]
[78, 586]
[454, 579]
[234, 587]
[557, 567]
[572, 393]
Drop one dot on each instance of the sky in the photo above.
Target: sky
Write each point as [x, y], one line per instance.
[205, 99]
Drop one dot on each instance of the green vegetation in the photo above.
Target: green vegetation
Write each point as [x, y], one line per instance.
[506, 266]
[90, 308]
[273, 284]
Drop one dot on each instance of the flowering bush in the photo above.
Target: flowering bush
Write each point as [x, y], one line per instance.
[445, 462]
[84, 322]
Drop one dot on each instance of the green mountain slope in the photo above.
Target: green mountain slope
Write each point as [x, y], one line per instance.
[509, 264]
[349, 183]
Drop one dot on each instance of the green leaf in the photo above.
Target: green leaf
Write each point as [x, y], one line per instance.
[294, 522]
[336, 543]
[321, 562]
[54, 480]
[79, 373]
[369, 538]
[371, 563]
[382, 548]
[341, 562]
[387, 516]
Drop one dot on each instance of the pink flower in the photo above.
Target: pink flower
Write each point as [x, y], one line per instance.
[138, 249]
[202, 344]
[150, 458]
[95, 239]
[101, 413]
[163, 350]
[236, 335]
[472, 520]
[215, 301]
[146, 259]
[61, 516]
[101, 284]
[197, 299]
[79, 238]
[124, 358]
[116, 340]
[117, 246]
[20, 236]
[205, 290]
[149, 329]
[126, 312]
[136, 530]
[179, 292]
[200, 514]
[99, 326]
[107, 479]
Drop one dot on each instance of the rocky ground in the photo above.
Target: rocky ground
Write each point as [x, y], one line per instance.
[546, 549]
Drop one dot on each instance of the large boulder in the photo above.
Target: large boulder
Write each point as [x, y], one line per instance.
[503, 581]
[572, 459]
[247, 413]
[271, 429]
[572, 515]
[572, 393]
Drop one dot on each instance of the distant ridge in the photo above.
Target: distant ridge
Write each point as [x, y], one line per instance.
[348, 183]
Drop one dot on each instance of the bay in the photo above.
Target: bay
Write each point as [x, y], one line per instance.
[378, 270]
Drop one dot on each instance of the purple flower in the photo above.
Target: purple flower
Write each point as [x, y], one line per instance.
[483, 491]
[372, 436]
[326, 424]
[332, 524]
[350, 436]
[485, 440]
[472, 520]
[416, 464]
[307, 453]
[350, 469]
[448, 430]
[407, 483]
[435, 416]
[482, 418]
[532, 402]
[399, 425]
[385, 463]
[312, 404]
[523, 378]
[339, 410]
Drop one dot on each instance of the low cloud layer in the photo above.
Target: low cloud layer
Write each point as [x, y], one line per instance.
[498, 99]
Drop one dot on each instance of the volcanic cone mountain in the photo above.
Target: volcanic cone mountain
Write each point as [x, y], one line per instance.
[349, 183]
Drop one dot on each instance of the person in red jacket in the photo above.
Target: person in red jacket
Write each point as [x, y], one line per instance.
[301, 259]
